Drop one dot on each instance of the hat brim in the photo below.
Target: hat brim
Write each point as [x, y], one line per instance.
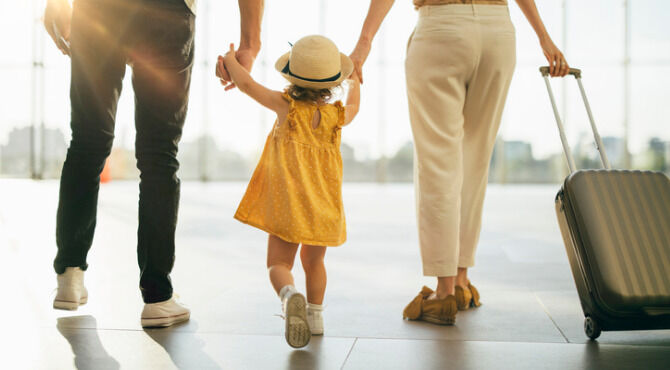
[346, 67]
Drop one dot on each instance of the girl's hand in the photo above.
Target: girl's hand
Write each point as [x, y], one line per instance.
[222, 71]
[558, 66]
[358, 57]
[229, 57]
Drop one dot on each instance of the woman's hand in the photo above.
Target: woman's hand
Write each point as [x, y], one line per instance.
[558, 66]
[358, 57]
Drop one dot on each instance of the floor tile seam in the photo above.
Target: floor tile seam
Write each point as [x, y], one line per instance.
[546, 310]
[371, 338]
[457, 340]
[505, 341]
[344, 363]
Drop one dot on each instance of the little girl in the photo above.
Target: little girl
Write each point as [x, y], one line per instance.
[295, 193]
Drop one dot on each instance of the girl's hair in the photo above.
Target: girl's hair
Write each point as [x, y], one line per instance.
[310, 95]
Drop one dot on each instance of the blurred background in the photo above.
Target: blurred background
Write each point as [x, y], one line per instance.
[623, 47]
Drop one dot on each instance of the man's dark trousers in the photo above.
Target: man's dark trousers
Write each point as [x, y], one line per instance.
[154, 37]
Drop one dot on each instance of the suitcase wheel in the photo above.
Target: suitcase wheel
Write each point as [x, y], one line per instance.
[591, 328]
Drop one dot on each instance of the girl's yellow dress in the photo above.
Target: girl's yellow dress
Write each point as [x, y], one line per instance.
[295, 192]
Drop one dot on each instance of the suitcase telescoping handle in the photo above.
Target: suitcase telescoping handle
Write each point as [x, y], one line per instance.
[566, 147]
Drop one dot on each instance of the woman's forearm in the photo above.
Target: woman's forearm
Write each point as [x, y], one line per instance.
[376, 14]
[530, 11]
[558, 66]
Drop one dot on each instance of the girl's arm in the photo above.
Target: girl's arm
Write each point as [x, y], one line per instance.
[242, 79]
[353, 101]
[558, 66]
[376, 14]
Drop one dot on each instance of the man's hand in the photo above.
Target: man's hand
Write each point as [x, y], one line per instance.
[57, 18]
[245, 57]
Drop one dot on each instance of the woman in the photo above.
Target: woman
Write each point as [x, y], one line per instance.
[460, 61]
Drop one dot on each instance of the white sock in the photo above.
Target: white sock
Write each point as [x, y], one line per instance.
[314, 307]
[287, 291]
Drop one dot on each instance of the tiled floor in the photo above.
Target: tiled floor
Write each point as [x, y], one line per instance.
[530, 318]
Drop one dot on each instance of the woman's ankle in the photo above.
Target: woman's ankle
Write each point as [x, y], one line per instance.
[445, 287]
[462, 277]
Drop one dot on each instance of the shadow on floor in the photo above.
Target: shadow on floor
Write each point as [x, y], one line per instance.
[86, 346]
[306, 358]
[184, 347]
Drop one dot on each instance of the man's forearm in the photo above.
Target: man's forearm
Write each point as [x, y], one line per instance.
[251, 15]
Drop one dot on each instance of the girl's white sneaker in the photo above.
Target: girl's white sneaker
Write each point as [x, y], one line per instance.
[296, 329]
[315, 318]
[71, 291]
[166, 313]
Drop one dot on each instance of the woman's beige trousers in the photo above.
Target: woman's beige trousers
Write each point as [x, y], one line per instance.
[460, 61]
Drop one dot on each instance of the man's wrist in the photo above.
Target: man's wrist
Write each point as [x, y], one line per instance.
[253, 47]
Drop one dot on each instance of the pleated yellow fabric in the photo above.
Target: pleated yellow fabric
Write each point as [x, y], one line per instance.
[295, 192]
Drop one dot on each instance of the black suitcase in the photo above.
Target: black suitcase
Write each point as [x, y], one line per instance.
[616, 229]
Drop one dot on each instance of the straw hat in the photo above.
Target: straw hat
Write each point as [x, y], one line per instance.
[314, 62]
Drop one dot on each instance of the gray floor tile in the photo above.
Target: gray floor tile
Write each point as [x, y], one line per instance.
[529, 315]
[65, 348]
[462, 355]
[565, 309]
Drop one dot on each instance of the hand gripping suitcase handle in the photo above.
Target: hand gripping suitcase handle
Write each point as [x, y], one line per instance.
[561, 131]
[573, 72]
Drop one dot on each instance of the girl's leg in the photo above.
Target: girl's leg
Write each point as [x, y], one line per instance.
[312, 257]
[281, 255]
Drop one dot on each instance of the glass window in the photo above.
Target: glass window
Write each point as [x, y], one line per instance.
[225, 131]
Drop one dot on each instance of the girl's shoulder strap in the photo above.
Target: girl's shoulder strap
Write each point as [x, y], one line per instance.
[293, 107]
[288, 98]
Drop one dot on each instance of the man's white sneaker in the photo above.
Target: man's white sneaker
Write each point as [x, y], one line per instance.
[163, 314]
[296, 329]
[71, 290]
[315, 318]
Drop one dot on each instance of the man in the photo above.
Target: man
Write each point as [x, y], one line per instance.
[154, 37]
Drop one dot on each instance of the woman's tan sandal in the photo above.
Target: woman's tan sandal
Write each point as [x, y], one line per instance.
[413, 309]
[439, 311]
[435, 311]
[467, 297]
[475, 295]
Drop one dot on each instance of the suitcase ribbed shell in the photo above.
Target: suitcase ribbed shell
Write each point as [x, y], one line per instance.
[623, 221]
